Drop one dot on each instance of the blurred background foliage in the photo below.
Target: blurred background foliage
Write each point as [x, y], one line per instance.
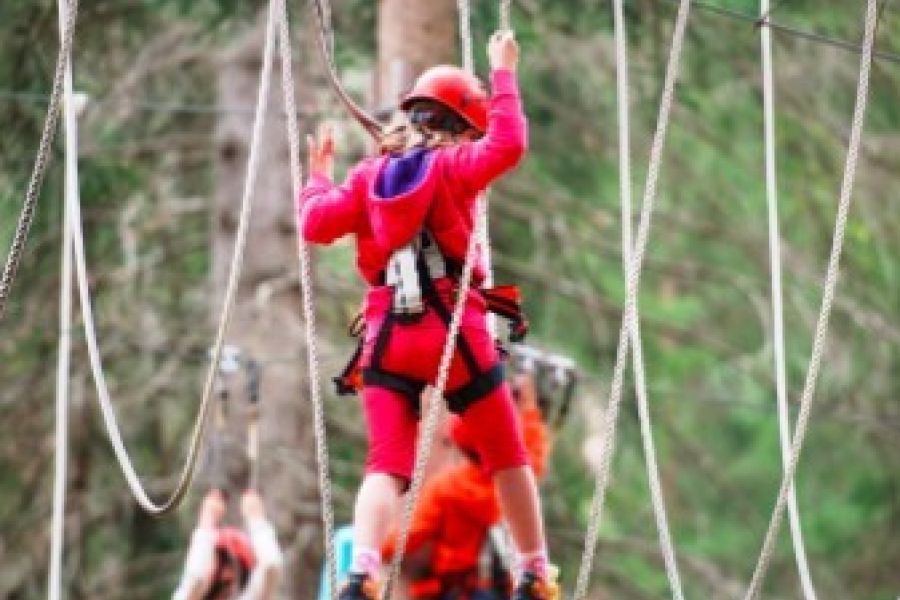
[149, 67]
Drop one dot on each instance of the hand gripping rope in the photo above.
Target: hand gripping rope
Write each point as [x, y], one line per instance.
[818, 349]
[640, 383]
[432, 418]
[634, 270]
[784, 422]
[106, 407]
[67, 33]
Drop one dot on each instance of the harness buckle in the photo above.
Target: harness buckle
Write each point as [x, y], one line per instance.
[406, 271]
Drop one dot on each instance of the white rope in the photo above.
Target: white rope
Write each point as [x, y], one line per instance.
[831, 277]
[656, 494]
[435, 396]
[505, 21]
[468, 59]
[465, 35]
[32, 192]
[432, 418]
[634, 270]
[784, 421]
[64, 347]
[107, 410]
[308, 301]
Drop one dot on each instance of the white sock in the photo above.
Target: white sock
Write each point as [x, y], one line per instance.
[366, 561]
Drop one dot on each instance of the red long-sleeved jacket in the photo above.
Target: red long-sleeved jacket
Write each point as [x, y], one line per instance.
[443, 199]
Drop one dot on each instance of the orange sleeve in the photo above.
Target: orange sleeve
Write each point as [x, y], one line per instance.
[427, 518]
[537, 440]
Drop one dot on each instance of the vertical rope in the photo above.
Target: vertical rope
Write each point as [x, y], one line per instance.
[656, 494]
[64, 347]
[818, 349]
[505, 21]
[634, 270]
[32, 192]
[468, 59]
[465, 35]
[308, 305]
[106, 408]
[784, 420]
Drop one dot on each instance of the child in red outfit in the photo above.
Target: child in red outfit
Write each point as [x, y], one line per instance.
[412, 211]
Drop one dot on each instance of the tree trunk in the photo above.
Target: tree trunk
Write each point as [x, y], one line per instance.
[412, 36]
[266, 323]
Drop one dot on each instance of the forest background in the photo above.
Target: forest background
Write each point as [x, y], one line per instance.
[163, 143]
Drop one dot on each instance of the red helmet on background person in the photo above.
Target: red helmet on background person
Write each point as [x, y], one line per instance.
[454, 88]
[235, 543]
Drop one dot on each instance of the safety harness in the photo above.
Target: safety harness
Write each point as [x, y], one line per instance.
[411, 272]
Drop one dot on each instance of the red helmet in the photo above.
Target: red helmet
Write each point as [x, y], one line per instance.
[236, 544]
[455, 88]
[462, 437]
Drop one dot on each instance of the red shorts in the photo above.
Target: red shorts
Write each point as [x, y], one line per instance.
[414, 350]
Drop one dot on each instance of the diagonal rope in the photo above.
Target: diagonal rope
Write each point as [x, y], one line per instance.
[656, 494]
[32, 192]
[432, 418]
[784, 420]
[107, 410]
[326, 50]
[831, 277]
[308, 299]
[64, 347]
[423, 444]
[634, 270]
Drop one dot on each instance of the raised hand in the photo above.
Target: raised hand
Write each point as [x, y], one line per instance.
[503, 50]
[321, 151]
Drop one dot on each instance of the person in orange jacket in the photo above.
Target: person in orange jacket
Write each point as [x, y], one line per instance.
[458, 508]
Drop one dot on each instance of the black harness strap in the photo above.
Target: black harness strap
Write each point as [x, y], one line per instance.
[479, 387]
[409, 387]
[345, 382]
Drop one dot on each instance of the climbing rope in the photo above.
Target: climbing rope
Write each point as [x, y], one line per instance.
[468, 59]
[464, 12]
[326, 50]
[784, 423]
[64, 347]
[831, 277]
[253, 372]
[656, 494]
[432, 417]
[505, 21]
[307, 293]
[106, 407]
[634, 270]
[32, 192]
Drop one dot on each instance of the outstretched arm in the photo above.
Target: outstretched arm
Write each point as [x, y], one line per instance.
[269, 561]
[198, 566]
[478, 163]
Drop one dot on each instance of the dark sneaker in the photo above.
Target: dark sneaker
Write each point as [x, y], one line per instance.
[532, 587]
[359, 586]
